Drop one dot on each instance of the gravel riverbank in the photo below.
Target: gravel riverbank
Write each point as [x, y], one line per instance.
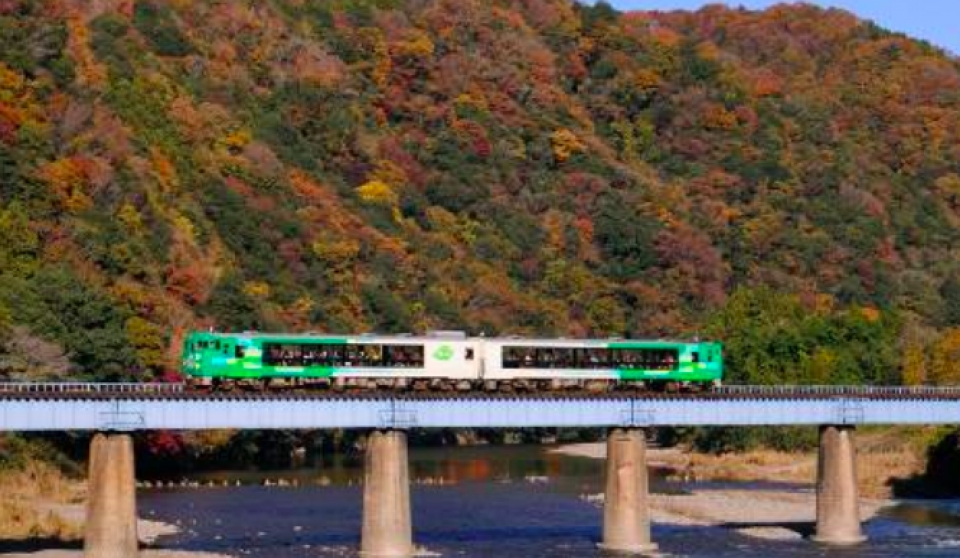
[147, 530]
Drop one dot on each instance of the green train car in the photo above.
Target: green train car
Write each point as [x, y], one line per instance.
[447, 360]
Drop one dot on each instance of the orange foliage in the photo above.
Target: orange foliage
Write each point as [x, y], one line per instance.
[164, 171]
[70, 180]
[716, 117]
[766, 83]
[565, 144]
[665, 36]
[314, 65]
[90, 72]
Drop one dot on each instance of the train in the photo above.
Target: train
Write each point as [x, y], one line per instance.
[446, 361]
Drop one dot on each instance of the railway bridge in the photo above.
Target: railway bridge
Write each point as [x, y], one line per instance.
[114, 411]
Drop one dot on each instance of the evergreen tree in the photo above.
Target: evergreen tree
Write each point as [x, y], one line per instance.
[950, 293]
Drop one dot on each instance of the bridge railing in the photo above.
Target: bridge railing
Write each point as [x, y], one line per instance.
[826, 390]
[781, 391]
[89, 387]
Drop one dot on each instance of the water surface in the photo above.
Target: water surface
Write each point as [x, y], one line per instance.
[505, 501]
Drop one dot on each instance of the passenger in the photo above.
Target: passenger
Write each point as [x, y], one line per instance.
[372, 356]
[669, 361]
[546, 359]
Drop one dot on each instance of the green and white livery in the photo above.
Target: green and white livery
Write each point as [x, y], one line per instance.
[445, 359]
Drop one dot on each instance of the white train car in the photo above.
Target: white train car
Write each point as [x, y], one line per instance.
[544, 359]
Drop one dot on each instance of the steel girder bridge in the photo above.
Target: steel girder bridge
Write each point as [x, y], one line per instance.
[128, 407]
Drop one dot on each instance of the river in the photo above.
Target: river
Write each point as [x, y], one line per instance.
[503, 501]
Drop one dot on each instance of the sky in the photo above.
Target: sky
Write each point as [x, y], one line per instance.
[937, 21]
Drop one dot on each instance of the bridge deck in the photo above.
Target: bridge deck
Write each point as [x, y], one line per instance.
[178, 410]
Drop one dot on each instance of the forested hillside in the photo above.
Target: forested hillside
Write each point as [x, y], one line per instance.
[787, 181]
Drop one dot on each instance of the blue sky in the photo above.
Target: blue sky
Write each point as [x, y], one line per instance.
[937, 21]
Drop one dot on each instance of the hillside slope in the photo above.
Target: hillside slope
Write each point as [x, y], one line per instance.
[787, 180]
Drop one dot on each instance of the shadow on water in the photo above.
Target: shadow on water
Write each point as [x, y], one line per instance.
[38, 544]
[944, 513]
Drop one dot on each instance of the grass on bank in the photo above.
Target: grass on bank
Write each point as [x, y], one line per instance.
[884, 455]
[35, 493]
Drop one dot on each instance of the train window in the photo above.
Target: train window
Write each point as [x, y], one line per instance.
[271, 354]
[327, 355]
[593, 358]
[662, 359]
[546, 358]
[541, 357]
[216, 345]
[351, 355]
[695, 356]
[469, 354]
[370, 355]
[626, 358]
[291, 355]
[555, 357]
[322, 354]
[308, 354]
[403, 356]
[519, 357]
[276, 354]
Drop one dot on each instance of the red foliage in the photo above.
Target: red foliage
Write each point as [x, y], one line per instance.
[187, 284]
[164, 442]
[701, 267]
[9, 6]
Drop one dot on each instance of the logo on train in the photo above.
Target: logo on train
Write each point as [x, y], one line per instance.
[443, 352]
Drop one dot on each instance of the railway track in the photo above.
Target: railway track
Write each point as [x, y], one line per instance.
[176, 391]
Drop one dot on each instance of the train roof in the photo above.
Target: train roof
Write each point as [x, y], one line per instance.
[442, 336]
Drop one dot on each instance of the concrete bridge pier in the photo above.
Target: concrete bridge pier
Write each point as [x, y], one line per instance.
[626, 514]
[838, 511]
[111, 525]
[387, 531]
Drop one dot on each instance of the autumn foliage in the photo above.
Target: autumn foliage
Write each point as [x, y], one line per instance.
[538, 167]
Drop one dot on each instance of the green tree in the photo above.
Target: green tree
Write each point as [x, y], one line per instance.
[914, 365]
[945, 359]
[950, 293]
[771, 338]
[625, 237]
[19, 244]
[385, 309]
[232, 307]
[89, 325]
[155, 21]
